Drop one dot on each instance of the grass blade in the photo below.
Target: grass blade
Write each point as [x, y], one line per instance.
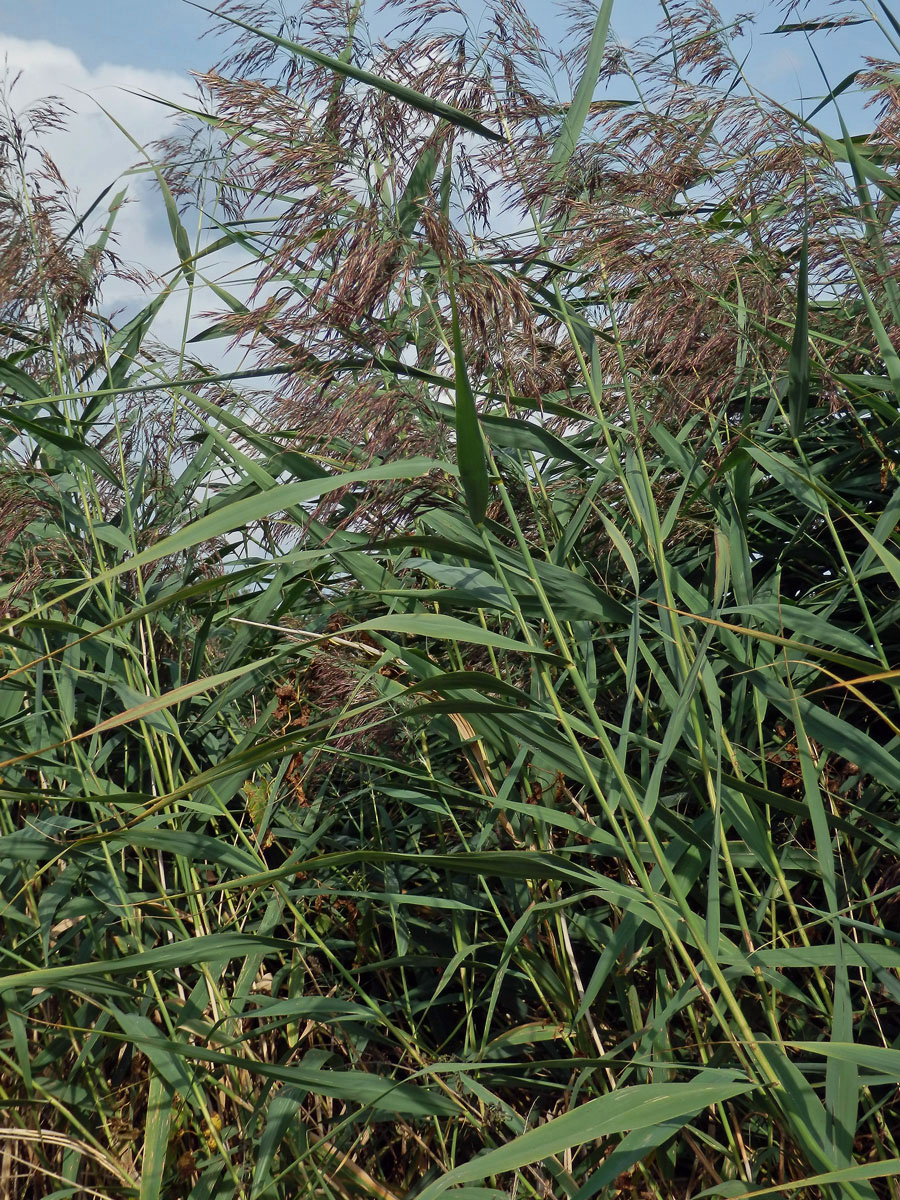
[399, 91]
[640, 1107]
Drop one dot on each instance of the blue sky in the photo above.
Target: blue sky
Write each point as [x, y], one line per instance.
[165, 35]
[161, 34]
[106, 52]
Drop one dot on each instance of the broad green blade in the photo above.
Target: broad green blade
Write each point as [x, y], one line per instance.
[470, 454]
[640, 1107]
[241, 513]
[567, 140]
[410, 204]
[798, 370]
[157, 1126]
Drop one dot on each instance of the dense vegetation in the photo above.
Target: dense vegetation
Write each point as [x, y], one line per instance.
[458, 752]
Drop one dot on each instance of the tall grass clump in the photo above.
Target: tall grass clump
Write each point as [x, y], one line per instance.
[458, 751]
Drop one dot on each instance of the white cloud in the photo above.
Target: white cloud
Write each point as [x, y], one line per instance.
[92, 153]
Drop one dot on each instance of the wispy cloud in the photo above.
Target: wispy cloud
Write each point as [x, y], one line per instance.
[92, 153]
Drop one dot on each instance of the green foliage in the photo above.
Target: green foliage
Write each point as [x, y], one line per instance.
[467, 764]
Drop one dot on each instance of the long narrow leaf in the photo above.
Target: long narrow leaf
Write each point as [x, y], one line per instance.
[399, 91]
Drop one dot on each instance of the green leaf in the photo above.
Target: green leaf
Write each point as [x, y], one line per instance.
[410, 204]
[798, 369]
[19, 382]
[885, 345]
[888, 1168]
[470, 454]
[882, 1059]
[634, 1147]
[284, 1108]
[157, 1125]
[179, 233]
[357, 1087]
[818, 24]
[640, 1107]
[565, 144]
[835, 92]
[247, 511]
[72, 449]
[834, 733]
[526, 435]
[88, 976]
[399, 91]
[151, 705]
[437, 625]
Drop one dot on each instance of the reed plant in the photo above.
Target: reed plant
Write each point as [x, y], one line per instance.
[458, 751]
